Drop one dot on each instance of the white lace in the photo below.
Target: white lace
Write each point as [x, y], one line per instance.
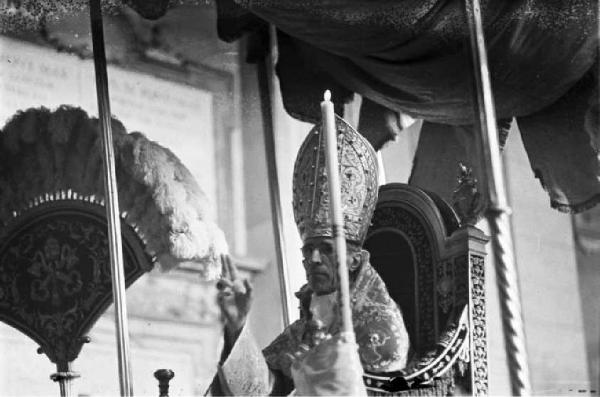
[323, 308]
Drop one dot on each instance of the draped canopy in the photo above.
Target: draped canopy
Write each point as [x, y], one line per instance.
[411, 57]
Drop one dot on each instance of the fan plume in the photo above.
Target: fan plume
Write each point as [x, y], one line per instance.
[47, 155]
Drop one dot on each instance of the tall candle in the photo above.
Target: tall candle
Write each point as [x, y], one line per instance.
[335, 206]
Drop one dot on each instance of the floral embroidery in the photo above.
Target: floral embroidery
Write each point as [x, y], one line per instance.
[378, 325]
[55, 272]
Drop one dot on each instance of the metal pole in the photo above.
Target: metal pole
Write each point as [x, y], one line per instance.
[267, 88]
[498, 212]
[64, 376]
[598, 101]
[112, 201]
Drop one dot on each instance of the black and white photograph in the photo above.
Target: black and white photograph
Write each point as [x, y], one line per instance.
[299, 198]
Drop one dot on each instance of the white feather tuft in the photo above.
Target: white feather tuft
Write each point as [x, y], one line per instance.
[46, 156]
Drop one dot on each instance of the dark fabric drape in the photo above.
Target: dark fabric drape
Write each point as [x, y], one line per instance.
[412, 57]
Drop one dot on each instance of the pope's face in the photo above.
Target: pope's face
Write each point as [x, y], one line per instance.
[320, 266]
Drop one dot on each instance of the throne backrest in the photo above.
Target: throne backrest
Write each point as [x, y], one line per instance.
[422, 255]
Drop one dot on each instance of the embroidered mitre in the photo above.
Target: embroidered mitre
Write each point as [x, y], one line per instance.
[358, 177]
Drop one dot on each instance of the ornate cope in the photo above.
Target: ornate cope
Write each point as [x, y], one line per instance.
[383, 342]
[358, 174]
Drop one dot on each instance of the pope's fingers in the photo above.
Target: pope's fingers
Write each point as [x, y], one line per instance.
[232, 269]
[224, 267]
[224, 283]
[222, 295]
[238, 287]
[248, 287]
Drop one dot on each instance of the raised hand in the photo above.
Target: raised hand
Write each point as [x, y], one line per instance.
[234, 296]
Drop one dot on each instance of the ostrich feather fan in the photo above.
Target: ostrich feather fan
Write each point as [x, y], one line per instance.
[45, 154]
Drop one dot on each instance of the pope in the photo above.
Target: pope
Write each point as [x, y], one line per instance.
[383, 342]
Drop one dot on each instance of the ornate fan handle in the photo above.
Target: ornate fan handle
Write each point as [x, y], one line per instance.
[164, 376]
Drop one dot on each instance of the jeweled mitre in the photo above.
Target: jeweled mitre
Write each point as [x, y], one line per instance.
[358, 178]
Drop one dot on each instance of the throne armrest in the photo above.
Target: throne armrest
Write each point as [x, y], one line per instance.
[428, 368]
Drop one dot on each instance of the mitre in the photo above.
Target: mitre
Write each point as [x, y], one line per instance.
[358, 177]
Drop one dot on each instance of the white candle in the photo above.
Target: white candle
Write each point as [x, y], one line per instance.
[335, 206]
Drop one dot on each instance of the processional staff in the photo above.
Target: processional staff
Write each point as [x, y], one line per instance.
[498, 212]
[112, 201]
[268, 88]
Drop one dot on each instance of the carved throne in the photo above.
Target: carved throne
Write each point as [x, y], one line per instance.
[434, 269]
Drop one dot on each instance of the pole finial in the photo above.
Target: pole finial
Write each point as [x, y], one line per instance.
[163, 376]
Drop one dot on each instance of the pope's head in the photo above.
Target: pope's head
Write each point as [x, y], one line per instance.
[320, 264]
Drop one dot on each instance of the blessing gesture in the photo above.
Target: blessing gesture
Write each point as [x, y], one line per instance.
[234, 296]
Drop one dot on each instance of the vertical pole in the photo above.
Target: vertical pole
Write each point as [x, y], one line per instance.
[112, 201]
[267, 87]
[598, 101]
[498, 212]
[64, 377]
